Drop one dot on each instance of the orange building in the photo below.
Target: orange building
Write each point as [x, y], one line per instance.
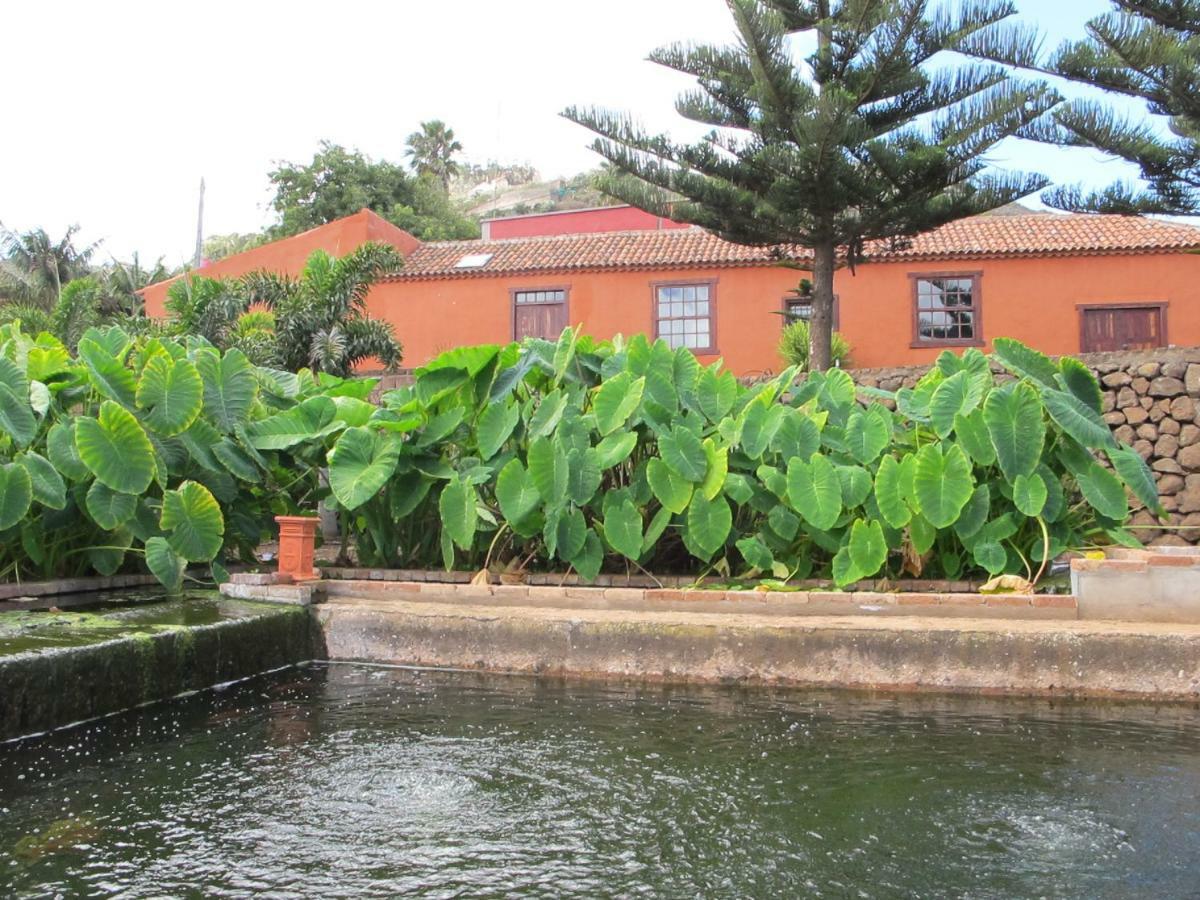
[1062, 283]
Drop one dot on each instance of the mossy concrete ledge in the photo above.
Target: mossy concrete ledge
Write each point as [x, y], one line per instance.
[61, 668]
[993, 656]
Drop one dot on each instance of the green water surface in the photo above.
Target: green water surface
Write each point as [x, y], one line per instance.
[347, 781]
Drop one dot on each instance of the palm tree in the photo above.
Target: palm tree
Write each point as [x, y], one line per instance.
[432, 151]
[321, 319]
[34, 267]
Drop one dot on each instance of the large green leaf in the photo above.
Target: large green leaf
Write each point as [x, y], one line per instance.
[942, 483]
[958, 395]
[1077, 419]
[683, 451]
[516, 492]
[548, 414]
[16, 416]
[583, 475]
[1015, 422]
[798, 435]
[1079, 380]
[16, 494]
[708, 524]
[456, 505]
[109, 375]
[360, 464]
[494, 427]
[1104, 491]
[972, 434]
[856, 485]
[623, 528]
[116, 449]
[863, 556]
[867, 433]
[1024, 361]
[975, 514]
[1136, 474]
[814, 490]
[165, 564]
[1029, 494]
[673, 491]
[49, 489]
[229, 387]
[718, 469]
[715, 393]
[548, 469]
[108, 508]
[192, 518]
[312, 419]
[590, 558]
[889, 495]
[171, 393]
[615, 449]
[616, 401]
[760, 423]
[756, 553]
[60, 447]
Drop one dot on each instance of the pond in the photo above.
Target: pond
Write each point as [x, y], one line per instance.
[339, 781]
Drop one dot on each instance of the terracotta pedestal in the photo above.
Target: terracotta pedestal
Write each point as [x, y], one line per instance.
[297, 541]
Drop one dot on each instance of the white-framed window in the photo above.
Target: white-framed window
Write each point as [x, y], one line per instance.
[684, 315]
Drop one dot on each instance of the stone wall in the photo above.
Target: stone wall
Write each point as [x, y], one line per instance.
[1152, 403]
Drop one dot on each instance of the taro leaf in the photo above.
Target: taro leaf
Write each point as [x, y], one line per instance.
[659, 390]
[738, 488]
[958, 395]
[658, 525]
[353, 412]
[837, 388]
[447, 544]
[687, 373]
[616, 401]
[715, 393]
[171, 393]
[60, 447]
[708, 524]
[49, 489]
[1104, 491]
[1078, 419]
[311, 419]
[116, 449]
[165, 564]
[109, 509]
[440, 427]
[991, 556]
[516, 493]
[39, 398]
[922, 534]
[615, 449]
[1024, 361]
[360, 464]
[236, 460]
[784, 522]
[773, 480]
[942, 484]
[623, 528]
[684, 453]
[193, 520]
[867, 433]
[548, 414]
[862, 556]
[856, 485]
[495, 426]
[108, 558]
[1079, 381]
[16, 416]
[16, 494]
[229, 387]
[798, 435]
[1029, 494]
[564, 352]
[975, 514]
[569, 532]
[972, 434]
[1136, 475]
[456, 506]
[590, 558]
[718, 469]
[672, 491]
[756, 554]
[889, 494]
[108, 374]
[760, 423]
[548, 469]
[1013, 414]
[406, 492]
[814, 490]
[583, 475]
[1056, 499]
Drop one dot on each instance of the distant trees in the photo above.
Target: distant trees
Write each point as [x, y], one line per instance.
[1148, 50]
[34, 266]
[219, 246]
[432, 151]
[868, 138]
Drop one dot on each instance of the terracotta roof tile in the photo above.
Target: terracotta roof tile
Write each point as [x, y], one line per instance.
[979, 237]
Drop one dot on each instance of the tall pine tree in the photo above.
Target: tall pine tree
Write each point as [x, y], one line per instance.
[880, 133]
[1148, 50]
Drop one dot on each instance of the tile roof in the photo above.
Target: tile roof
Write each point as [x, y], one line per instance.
[979, 237]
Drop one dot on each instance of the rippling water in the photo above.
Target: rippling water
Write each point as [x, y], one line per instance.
[350, 781]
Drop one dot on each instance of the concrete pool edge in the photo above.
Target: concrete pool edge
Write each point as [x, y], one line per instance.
[914, 653]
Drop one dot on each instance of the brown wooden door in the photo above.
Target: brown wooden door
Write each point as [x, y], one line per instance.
[1122, 328]
[540, 320]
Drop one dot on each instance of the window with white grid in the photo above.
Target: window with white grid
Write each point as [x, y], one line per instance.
[684, 315]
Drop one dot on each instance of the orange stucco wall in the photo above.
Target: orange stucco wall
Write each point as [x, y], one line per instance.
[289, 255]
[1034, 300]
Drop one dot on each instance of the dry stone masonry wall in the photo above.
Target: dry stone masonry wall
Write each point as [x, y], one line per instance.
[1152, 403]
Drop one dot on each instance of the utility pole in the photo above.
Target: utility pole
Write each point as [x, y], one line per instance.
[199, 258]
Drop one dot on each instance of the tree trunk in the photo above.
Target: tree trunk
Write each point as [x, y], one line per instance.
[820, 327]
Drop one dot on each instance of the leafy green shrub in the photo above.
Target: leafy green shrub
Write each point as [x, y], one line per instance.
[794, 346]
[632, 456]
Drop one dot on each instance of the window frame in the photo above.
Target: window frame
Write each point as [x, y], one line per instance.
[792, 298]
[711, 284]
[915, 279]
[565, 303]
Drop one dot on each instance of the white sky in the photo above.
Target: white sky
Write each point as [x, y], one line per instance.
[115, 109]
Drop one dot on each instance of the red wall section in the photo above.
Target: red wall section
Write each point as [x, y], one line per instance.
[577, 221]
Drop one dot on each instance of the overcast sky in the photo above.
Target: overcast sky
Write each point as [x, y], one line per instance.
[115, 109]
